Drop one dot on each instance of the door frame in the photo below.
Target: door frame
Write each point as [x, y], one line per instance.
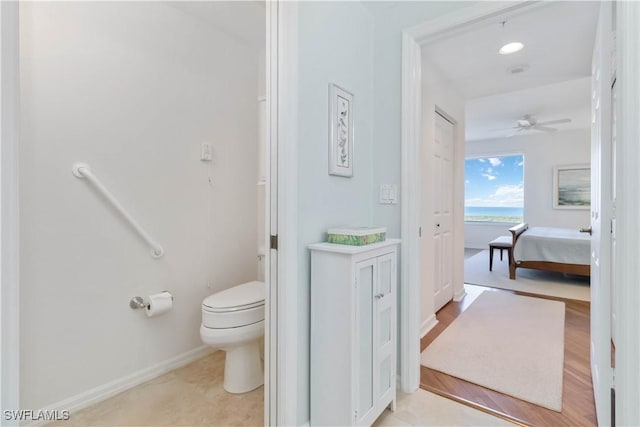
[627, 298]
[411, 171]
[281, 345]
[281, 340]
[9, 223]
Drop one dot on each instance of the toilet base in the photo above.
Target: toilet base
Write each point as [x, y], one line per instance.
[242, 368]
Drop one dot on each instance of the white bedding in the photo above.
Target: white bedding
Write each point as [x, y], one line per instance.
[564, 245]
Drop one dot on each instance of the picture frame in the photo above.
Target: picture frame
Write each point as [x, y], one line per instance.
[572, 187]
[341, 132]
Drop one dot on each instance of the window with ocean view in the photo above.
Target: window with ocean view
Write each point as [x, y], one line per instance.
[494, 189]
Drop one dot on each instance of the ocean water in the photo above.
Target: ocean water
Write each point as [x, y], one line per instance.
[497, 212]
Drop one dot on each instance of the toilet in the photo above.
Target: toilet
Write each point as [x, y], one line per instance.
[233, 321]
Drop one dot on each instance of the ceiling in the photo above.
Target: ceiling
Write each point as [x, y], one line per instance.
[558, 42]
[490, 117]
[243, 20]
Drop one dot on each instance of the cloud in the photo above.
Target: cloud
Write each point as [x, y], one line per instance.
[481, 160]
[495, 161]
[467, 181]
[489, 170]
[520, 163]
[511, 195]
[489, 176]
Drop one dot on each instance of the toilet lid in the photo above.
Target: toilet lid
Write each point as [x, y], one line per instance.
[243, 296]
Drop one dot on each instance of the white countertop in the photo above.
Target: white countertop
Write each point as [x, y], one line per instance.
[351, 249]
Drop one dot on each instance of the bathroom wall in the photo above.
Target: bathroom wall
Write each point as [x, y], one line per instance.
[542, 151]
[132, 89]
[335, 46]
[356, 45]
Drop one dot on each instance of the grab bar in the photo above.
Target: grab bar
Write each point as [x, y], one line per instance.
[81, 170]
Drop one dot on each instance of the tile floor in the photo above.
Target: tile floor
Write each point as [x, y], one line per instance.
[423, 408]
[189, 396]
[194, 396]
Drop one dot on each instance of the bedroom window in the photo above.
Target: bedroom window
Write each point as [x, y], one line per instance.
[494, 189]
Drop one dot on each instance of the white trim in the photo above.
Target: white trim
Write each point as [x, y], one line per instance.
[458, 296]
[411, 170]
[285, 124]
[428, 325]
[271, 323]
[105, 391]
[410, 198]
[627, 371]
[9, 225]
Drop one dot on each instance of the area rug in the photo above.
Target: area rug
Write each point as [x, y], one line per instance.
[476, 272]
[508, 343]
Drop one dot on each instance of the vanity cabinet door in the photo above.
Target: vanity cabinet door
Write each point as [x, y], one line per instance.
[384, 326]
[364, 390]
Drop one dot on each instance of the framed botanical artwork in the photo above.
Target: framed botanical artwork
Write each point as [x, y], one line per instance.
[340, 131]
[572, 187]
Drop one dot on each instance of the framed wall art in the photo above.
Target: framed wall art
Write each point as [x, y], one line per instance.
[340, 131]
[572, 187]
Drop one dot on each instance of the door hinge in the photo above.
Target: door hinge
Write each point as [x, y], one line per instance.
[274, 242]
[419, 231]
[613, 406]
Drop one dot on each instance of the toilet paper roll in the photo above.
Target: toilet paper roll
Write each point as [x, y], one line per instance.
[159, 304]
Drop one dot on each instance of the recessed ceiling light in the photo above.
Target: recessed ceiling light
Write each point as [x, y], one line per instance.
[510, 48]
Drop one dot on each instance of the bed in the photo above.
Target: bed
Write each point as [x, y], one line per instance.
[563, 250]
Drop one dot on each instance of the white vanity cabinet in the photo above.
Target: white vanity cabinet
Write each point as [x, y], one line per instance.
[353, 332]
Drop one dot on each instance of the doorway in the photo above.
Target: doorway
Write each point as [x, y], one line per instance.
[411, 65]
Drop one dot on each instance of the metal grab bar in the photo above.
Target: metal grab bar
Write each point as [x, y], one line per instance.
[81, 170]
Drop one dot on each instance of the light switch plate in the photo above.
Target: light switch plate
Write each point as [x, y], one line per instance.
[205, 152]
[388, 194]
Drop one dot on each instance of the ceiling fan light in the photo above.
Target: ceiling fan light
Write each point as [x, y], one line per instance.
[510, 48]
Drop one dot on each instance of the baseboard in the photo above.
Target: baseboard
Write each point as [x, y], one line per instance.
[105, 391]
[457, 297]
[481, 246]
[427, 325]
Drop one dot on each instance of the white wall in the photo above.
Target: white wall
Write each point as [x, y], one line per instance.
[542, 151]
[391, 18]
[335, 46]
[437, 93]
[132, 89]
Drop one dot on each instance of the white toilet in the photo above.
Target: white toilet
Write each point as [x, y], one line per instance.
[233, 321]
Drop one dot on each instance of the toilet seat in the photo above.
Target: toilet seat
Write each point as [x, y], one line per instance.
[235, 307]
[240, 297]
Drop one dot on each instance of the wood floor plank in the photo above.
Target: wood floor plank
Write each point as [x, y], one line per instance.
[578, 407]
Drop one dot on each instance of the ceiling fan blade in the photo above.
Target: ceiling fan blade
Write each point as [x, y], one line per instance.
[497, 130]
[545, 128]
[554, 122]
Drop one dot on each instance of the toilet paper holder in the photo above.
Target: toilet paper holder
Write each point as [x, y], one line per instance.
[137, 302]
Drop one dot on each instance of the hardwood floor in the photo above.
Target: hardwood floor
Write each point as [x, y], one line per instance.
[578, 407]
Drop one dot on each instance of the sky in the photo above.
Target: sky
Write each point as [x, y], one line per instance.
[494, 181]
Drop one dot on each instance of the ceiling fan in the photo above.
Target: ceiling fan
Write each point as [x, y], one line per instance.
[528, 122]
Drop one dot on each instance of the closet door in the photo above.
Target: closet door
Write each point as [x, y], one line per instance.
[385, 327]
[366, 283]
[442, 211]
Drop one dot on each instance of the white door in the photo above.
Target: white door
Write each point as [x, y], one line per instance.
[601, 217]
[613, 205]
[442, 187]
